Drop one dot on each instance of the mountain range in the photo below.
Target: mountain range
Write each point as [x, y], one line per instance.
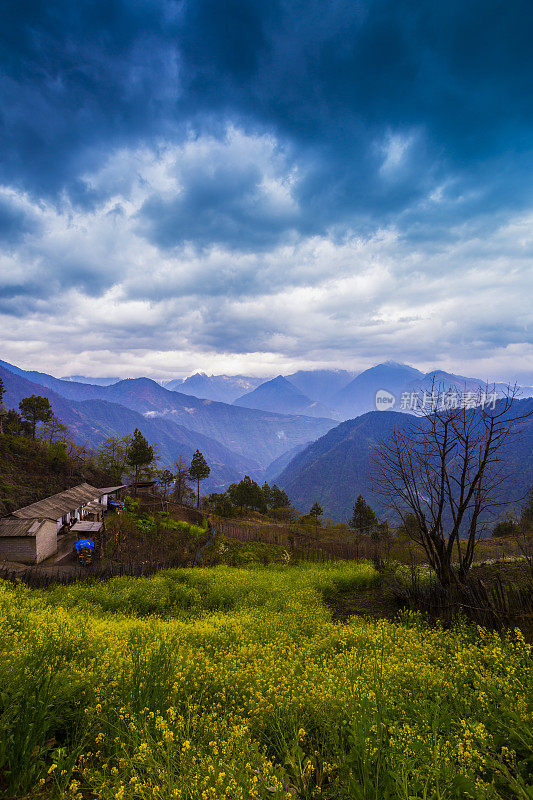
[224, 388]
[337, 394]
[85, 379]
[321, 384]
[92, 421]
[275, 431]
[339, 466]
[332, 393]
[235, 439]
[359, 396]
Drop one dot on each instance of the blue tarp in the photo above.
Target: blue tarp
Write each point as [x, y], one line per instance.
[84, 543]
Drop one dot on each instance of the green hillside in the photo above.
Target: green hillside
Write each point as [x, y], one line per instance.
[30, 471]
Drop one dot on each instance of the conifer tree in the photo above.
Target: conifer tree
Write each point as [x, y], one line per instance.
[316, 511]
[267, 494]
[140, 454]
[35, 409]
[247, 494]
[199, 470]
[279, 498]
[166, 479]
[363, 518]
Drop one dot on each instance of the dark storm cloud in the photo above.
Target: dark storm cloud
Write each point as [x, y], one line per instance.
[219, 204]
[15, 222]
[287, 176]
[336, 77]
[333, 80]
[77, 79]
[323, 70]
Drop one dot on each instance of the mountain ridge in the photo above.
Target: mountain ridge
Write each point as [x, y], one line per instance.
[279, 395]
[338, 467]
[258, 436]
[92, 421]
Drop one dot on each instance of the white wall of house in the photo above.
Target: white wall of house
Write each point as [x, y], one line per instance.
[45, 541]
[72, 516]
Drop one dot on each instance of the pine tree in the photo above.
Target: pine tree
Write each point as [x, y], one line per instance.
[35, 409]
[199, 470]
[279, 498]
[363, 518]
[247, 494]
[140, 454]
[166, 478]
[316, 511]
[267, 494]
[15, 425]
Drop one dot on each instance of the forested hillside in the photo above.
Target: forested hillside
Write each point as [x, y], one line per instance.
[30, 471]
[338, 467]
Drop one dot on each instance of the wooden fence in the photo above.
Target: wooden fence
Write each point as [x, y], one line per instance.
[39, 578]
[302, 545]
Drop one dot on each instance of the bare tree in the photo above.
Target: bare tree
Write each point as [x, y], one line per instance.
[447, 468]
[181, 491]
[166, 479]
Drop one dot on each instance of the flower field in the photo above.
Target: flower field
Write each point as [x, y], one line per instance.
[235, 683]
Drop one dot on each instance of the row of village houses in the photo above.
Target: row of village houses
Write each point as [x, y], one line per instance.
[31, 534]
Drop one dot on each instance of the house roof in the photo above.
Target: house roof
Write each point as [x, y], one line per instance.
[86, 527]
[59, 504]
[10, 527]
[111, 489]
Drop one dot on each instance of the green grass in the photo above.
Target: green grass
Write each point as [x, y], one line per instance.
[235, 683]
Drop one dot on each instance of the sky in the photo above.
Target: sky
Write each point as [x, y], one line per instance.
[256, 187]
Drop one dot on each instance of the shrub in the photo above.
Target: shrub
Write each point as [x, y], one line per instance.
[284, 514]
[508, 526]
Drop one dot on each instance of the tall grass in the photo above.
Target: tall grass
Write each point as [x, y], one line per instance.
[235, 683]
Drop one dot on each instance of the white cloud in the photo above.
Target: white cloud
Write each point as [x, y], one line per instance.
[395, 151]
[95, 296]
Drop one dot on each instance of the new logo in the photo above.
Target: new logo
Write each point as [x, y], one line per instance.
[384, 400]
